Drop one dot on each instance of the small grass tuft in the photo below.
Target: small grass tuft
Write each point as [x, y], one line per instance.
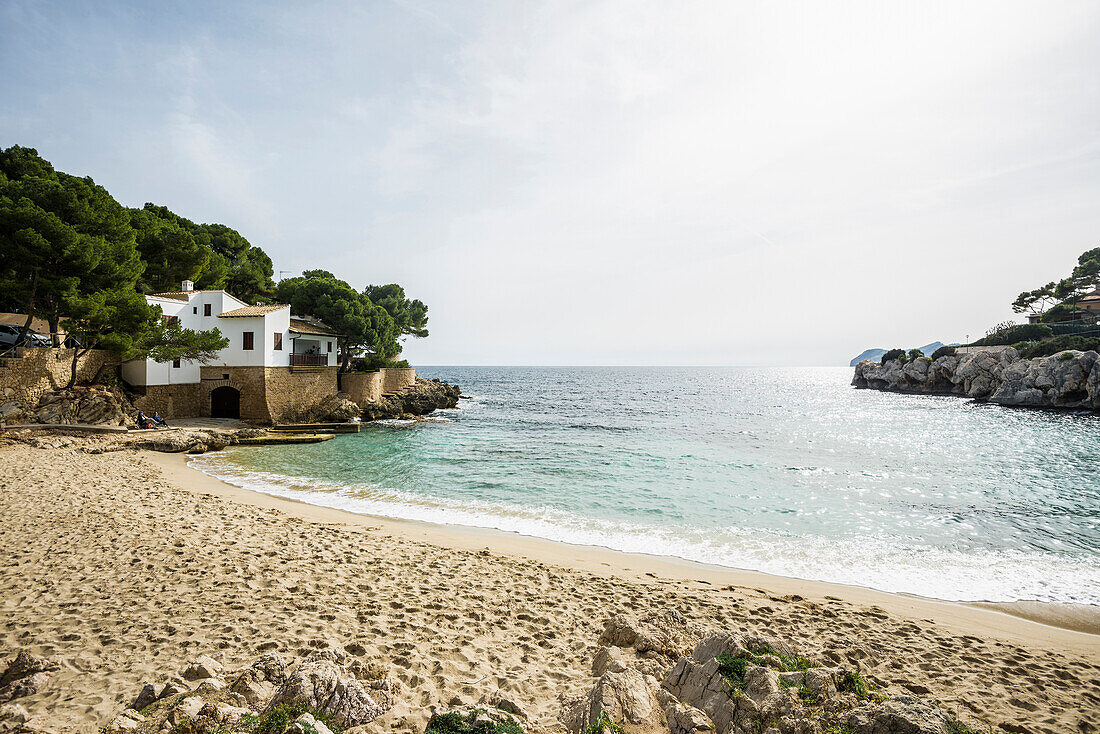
[454, 723]
[279, 718]
[853, 682]
[840, 729]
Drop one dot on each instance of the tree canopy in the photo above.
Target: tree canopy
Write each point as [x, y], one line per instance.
[361, 325]
[72, 255]
[1054, 301]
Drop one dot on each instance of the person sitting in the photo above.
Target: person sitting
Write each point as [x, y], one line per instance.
[143, 420]
[160, 422]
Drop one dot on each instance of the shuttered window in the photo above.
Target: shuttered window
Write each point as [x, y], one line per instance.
[248, 340]
[278, 341]
[206, 309]
[330, 346]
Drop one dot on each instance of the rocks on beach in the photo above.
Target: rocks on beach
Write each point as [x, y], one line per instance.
[307, 696]
[1069, 379]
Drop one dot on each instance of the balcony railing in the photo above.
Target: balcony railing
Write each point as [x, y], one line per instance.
[308, 360]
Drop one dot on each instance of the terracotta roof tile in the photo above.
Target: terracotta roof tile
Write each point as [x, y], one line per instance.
[175, 295]
[258, 310]
[309, 327]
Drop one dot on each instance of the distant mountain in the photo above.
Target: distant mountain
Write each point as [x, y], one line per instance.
[876, 354]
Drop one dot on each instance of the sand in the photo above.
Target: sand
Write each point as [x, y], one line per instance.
[123, 566]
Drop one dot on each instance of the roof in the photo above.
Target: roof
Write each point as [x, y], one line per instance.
[259, 310]
[18, 319]
[176, 295]
[302, 326]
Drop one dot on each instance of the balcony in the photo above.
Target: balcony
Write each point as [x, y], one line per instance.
[308, 360]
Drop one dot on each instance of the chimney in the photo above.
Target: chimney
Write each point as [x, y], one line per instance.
[187, 286]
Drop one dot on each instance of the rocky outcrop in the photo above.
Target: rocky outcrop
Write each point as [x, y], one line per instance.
[736, 682]
[310, 696]
[421, 398]
[95, 405]
[1069, 379]
[336, 408]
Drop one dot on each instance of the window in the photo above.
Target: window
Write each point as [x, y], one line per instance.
[278, 341]
[194, 309]
[330, 346]
[248, 340]
[176, 363]
[206, 309]
[171, 320]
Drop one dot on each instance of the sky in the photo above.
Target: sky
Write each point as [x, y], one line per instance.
[600, 183]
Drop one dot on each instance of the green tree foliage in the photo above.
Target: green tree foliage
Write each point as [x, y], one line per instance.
[214, 256]
[410, 316]
[169, 250]
[361, 325]
[62, 237]
[1052, 297]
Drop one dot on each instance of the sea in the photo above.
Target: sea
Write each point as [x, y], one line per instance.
[788, 471]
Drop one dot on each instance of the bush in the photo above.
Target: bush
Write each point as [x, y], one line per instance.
[1051, 347]
[943, 352]
[898, 354]
[1015, 333]
[915, 354]
[375, 362]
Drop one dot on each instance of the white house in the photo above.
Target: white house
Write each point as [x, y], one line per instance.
[266, 345]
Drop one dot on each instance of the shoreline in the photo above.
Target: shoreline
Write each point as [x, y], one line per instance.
[1070, 626]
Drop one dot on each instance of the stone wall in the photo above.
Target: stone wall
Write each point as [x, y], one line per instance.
[362, 387]
[289, 390]
[35, 370]
[187, 400]
[397, 379]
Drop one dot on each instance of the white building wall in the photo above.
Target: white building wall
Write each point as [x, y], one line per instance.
[192, 315]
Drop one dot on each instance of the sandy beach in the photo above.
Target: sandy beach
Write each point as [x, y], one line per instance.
[124, 565]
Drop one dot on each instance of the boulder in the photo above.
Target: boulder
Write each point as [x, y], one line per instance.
[625, 696]
[258, 682]
[500, 700]
[306, 724]
[684, 719]
[128, 720]
[150, 694]
[24, 675]
[899, 715]
[666, 633]
[202, 667]
[321, 683]
[608, 659]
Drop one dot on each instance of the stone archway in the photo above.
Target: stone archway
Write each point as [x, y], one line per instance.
[225, 402]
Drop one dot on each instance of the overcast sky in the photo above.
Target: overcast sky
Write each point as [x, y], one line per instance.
[600, 182]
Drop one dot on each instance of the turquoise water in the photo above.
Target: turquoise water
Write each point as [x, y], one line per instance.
[783, 470]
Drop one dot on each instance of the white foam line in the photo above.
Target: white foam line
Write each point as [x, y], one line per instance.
[875, 562]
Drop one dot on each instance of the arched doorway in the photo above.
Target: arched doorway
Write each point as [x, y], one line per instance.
[225, 402]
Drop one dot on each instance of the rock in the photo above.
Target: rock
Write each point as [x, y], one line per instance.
[899, 715]
[188, 708]
[225, 713]
[257, 683]
[624, 696]
[667, 633]
[1069, 379]
[684, 719]
[499, 700]
[320, 682]
[128, 720]
[422, 398]
[306, 724]
[14, 712]
[608, 659]
[209, 687]
[202, 667]
[151, 693]
[174, 687]
[24, 675]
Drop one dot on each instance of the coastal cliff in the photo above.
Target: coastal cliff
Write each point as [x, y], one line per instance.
[1069, 379]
